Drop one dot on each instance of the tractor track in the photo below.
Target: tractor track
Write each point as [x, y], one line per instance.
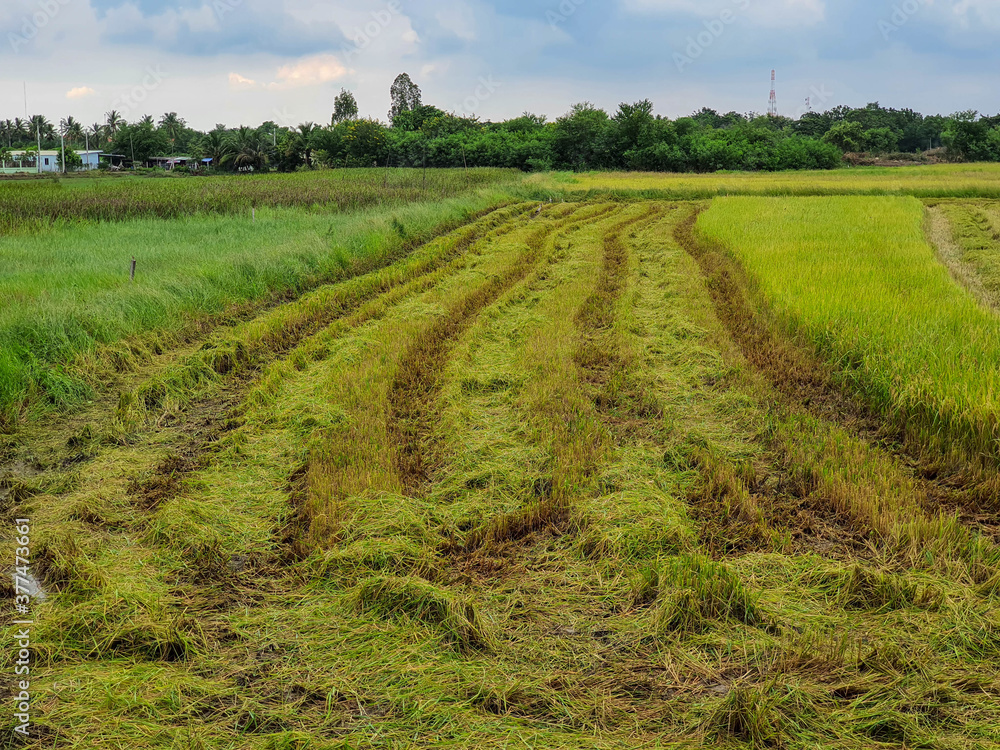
[418, 380]
[204, 421]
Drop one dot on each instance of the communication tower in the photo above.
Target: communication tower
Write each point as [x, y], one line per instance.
[772, 107]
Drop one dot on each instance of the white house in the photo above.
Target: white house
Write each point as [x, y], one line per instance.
[22, 161]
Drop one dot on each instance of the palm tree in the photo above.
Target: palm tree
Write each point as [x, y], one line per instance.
[20, 129]
[39, 127]
[172, 125]
[249, 150]
[305, 134]
[7, 130]
[96, 132]
[146, 120]
[115, 122]
[217, 147]
[71, 129]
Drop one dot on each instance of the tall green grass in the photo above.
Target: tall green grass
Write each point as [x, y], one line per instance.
[66, 292]
[27, 205]
[856, 278]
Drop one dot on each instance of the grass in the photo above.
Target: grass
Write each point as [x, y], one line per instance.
[67, 303]
[558, 478]
[937, 181]
[31, 205]
[857, 280]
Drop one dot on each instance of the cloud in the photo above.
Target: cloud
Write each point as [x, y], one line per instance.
[215, 27]
[771, 13]
[457, 18]
[310, 72]
[80, 92]
[983, 11]
[236, 81]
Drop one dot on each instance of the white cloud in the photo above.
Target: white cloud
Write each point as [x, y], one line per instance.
[237, 82]
[970, 13]
[80, 92]
[459, 19]
[310, 72]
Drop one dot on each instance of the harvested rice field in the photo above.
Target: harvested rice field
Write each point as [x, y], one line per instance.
[506, 464]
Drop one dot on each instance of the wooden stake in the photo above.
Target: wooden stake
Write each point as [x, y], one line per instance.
[132, 273]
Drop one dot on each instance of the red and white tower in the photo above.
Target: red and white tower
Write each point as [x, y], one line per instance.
[772, 106]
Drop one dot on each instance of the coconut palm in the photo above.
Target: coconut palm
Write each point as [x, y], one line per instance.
[114, 122]
[71, 129]
[304, 134]
[40, 127]
[96, 132]
[249, 150]
[146, 120]
[20, 129]
[172, 125]
[217, 147]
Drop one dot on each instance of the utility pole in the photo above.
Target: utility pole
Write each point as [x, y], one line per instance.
[62, 140]
[38, 156]
[132, 146]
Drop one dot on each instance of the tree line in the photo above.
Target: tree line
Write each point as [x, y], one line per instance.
[416, 134]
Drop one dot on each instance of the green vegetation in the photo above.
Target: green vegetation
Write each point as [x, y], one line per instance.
[929, 182]
[856, 279]
[419, 134]
[27, 206]
[492, 470]
[67, 294]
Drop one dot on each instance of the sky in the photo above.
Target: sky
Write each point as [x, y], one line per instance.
[248, 61]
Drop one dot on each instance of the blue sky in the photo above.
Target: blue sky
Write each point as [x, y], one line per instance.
[246, 61]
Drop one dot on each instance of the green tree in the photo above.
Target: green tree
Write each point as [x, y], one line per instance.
[250, 151]
[139, 141]
[345, 107]
[365, 143]
[405, 95]
[847, 136]
[73, 160]
[580, 137]
[114, 122]
[632, 129]
[216, 146]
[881, 140]
[173, 126]
[72, 130]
